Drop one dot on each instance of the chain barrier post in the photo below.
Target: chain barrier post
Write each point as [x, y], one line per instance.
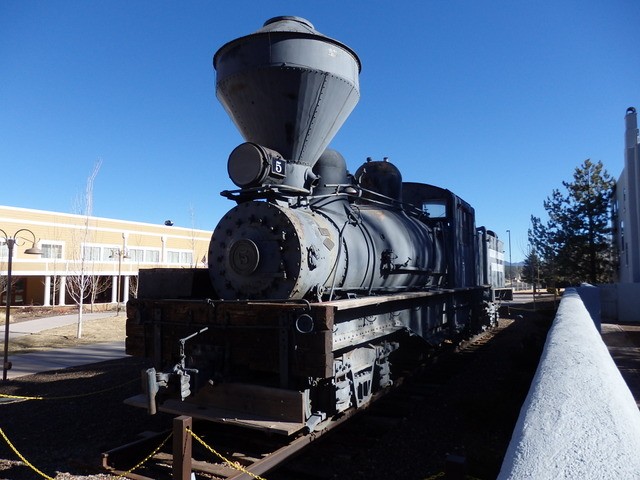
[182, 447]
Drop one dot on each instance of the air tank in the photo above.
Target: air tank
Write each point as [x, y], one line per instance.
[287, 87]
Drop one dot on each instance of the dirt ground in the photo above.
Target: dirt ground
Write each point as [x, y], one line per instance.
[110, 328]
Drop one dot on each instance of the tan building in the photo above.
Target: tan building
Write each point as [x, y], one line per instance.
[101, 253]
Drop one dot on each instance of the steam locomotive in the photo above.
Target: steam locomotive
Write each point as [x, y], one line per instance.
[319, 281]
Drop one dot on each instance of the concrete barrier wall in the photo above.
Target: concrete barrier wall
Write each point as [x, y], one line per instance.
[579, 419]
[591, 300]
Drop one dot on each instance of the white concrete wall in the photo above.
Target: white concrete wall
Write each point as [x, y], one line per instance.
[590, 297]
[579, 420]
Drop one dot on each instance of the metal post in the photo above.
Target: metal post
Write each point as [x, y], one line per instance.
[510, 264]
[6, 365]
[11, 242]
[182, 448]
[535, 284]
[118, 282]
[121, 253]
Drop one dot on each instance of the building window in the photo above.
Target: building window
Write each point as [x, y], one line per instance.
[186, 258]
[4, 250]
[183, 258]
[136, 255]
[152, 256]
[51, 250]
[91, 254]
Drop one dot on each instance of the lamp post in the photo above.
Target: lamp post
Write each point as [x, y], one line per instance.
[510, 265]
[11, 241]
[120, 253]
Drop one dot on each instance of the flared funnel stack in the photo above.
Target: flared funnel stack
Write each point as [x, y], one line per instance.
[288, 87]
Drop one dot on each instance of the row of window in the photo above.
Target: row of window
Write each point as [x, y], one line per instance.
[134, 255]
[99, 253]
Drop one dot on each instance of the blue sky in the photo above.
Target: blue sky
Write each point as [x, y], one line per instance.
[498, 101]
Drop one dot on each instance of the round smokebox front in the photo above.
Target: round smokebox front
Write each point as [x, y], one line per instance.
[255, 253]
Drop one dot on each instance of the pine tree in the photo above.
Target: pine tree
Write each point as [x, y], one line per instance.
[575, 243]
[531, 270]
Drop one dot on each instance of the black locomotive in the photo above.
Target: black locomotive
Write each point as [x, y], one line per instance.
[318, 279]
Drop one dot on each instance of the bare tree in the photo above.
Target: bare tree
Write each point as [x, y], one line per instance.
[133, 286]
[55, 289]
[99, 284]
[80, 280]
[194, 260]
[194, 252]
[3, 278]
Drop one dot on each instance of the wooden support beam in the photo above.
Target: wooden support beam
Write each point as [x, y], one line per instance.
[182, 448]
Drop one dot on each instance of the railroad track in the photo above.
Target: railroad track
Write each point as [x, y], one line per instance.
[348, 446]
[229, 453]
[237, 454]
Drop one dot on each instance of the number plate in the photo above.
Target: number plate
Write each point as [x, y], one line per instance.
[278, 167]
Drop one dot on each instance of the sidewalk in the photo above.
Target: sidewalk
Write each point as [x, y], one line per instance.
[27, 327]
[57, 358]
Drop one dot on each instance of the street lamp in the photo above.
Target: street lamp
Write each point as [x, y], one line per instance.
[120, 253]
[11, 241]
[510, 264]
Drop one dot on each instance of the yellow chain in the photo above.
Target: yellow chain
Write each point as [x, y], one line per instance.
[139, 464]
[437, 475]
[20, 397]
[67, 397]
[44, 475]
[26, 462]
[235, 465]
[442, 474]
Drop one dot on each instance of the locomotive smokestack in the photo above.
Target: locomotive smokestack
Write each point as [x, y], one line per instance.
[287, 87]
